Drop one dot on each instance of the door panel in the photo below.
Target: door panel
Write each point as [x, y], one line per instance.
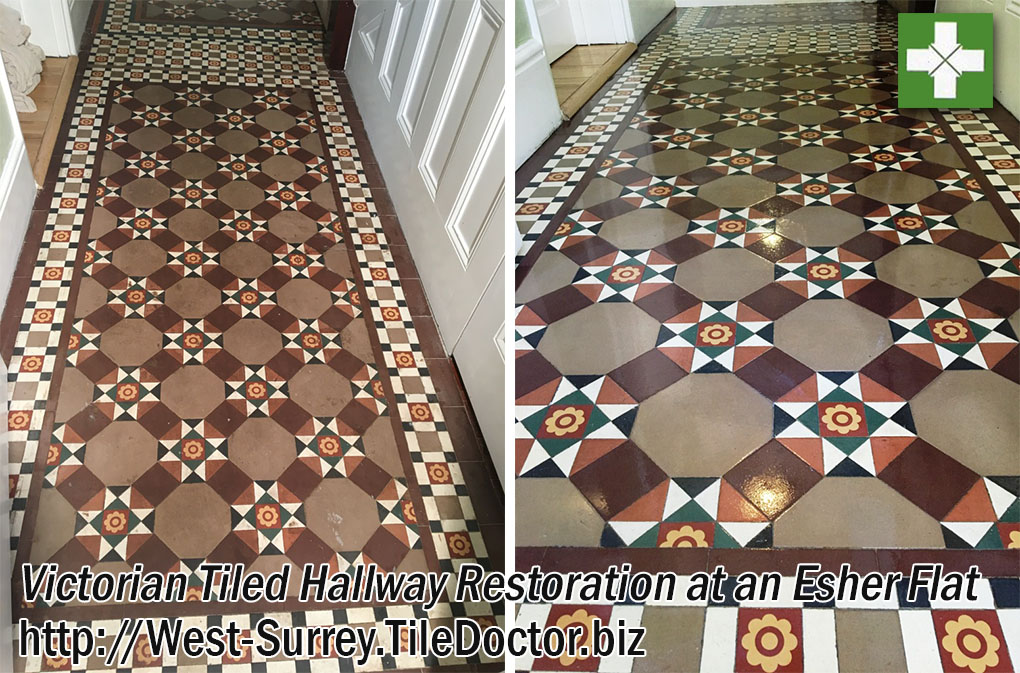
[428, 80]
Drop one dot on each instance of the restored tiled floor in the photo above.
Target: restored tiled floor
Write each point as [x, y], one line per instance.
[766, 316]
[218, 360]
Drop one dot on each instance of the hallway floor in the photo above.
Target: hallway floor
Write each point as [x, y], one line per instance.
[225, 354]
[765, 317]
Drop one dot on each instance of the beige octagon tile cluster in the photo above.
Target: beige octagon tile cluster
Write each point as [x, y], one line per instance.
[192, 297]
[643, 228]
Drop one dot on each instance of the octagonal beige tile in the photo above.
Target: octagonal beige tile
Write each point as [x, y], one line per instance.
[752, 99]
[149, 138]
[193, 391]
[145, 192]
[599, 338]
[323, 195]
[193, 117]
[876, 133]
[690, 118]
[76, 392]
[241, 195]
[736, 191]
[283, 167]
[724, 274]
[702, 425]
[813, 159]
[553, 513]
[252, 341]
[599, 190]
[631, 137]
[193, 224]
[320, 390]
[805, 82]
[103, 222]
[643, 228]
[552, 271]
[756, 71]
[304, 298]
[852, 68]
[929, 270]
[294, 227]
[338, 260]
[944, 154]
[980, 218]
[972, 416]
[800, 59]
[882, 518]
[91, 296]
[671, 162]
[896, 187]
[192, 297]
[341, 514]
[862, 96]
[59, 517]
[192, 520]
[154, 94]
[245, 259]
[808, 115]
[820, 226]
[120, 453]
[275, 120]
[381, 446]
[111, 163]
[211, 13]
[809, 332]
[702, 85]
[312, 143]
[262, 448]
[131, 342]
[193, 165]
[232, 97]
[139, 257]
[746, 137]
[236, 141]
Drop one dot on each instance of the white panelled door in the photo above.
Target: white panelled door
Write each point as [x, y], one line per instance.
[428, 79]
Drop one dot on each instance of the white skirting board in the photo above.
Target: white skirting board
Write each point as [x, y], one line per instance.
[17, 194]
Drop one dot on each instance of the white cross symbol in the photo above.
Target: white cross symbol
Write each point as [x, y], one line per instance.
[945, 60]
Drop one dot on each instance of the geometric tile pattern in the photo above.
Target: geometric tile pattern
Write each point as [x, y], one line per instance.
[183, 54]
[726, 157]
[311, 403]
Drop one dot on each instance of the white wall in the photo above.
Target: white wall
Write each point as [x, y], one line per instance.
[57, 25]
[645, 15]
[537, 111]
[1005, 44]
[17, 189]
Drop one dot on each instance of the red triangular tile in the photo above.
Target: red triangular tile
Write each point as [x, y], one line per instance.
[735, 507]
[648, 507]
[975, 506]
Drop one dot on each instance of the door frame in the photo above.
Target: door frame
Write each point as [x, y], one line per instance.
[338, 37]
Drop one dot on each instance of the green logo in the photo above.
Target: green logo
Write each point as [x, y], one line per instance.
[945, 60]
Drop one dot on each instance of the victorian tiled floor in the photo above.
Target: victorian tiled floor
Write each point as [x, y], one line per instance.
[764, 316]
[217, 359]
